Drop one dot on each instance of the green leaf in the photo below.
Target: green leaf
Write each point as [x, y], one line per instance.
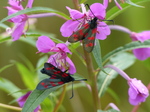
[131, 3]
[9, 87]
[110, 110]
[5, 67]
[4, 26]
[27, 76]
[35, 10]
[4, 39]
[127, 47]
[122, 61]
[97, 54]
[35, 98]
[113, 12]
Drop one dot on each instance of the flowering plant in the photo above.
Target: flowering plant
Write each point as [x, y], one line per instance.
[46, 61]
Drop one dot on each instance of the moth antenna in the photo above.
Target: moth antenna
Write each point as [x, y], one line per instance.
[90, 9]
[95, 16]
[72, 91]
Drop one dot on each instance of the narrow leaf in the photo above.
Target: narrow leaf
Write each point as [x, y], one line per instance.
[122, 61]
[9, 87]
[97, 54]
[35, 98]
[113, 12]
[127, 47]
[35, 10]
[27, 76]
[5, 67]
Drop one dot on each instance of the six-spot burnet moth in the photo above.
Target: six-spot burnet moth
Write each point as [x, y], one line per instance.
[57, 77]
[86, 33]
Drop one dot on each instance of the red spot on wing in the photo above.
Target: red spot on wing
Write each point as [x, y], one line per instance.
[42, 83]
[64, 75]
[94, 30]
[53, 84]
[89, 45]
[57, 72]
[91, 38]
[60, 83]
[49, 68]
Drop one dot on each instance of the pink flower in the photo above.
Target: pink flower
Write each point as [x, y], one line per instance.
[19, 21]
[60, 59]
[141, 53]
[137, 92]
[21, 101]
[79, 19]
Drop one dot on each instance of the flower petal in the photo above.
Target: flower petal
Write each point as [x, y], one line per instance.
[30, 2]
[44, 44]
[98, 10]
[18, 31]
[75, 14]
[15, 4]
[63, 47]
[137, 91]
[72, 68]
[105, 3]
[68, 28]
[103, 31]
[142, 53]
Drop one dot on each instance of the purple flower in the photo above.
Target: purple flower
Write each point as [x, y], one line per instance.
[141, 53]
[71, 26]
[19, 21]
[21, 101]
[60, 59]
[137, 92]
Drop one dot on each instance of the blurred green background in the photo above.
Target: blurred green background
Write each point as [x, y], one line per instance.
[136, 19]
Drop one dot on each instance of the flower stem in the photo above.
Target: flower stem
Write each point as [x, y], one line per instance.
[60, 99]
[10, 107]
[92, 76]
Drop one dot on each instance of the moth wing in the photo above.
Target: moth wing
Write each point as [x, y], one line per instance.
[79, 34]
[49, 83]
[89, 41]
[49, 69]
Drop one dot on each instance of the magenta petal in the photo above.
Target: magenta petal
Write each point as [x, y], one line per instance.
[23, 98]
[105, 3]
[118, 5]
[21, 101]
[68, 28]
[30, 2]
[75, 14]
[15, 4]
[44, 44]
[63, 47]
[72, 68]
[103, 31]
[18, 31]
[98, 10]
[142, 53]
[137, 92]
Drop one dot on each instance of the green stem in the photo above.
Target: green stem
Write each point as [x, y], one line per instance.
[60, 99]
[92, 80]
[10, 107]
